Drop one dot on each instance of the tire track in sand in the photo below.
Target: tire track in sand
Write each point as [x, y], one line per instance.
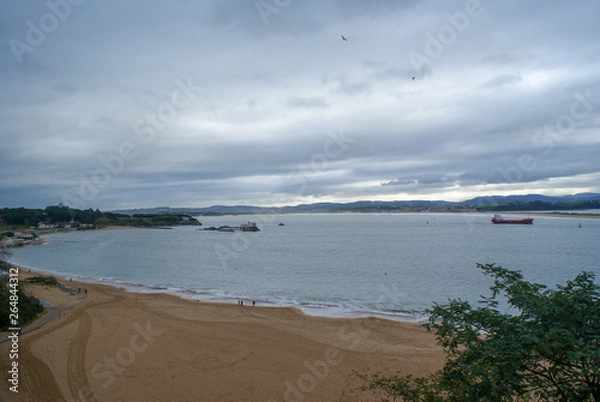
[38, 380]
[37, 376]
[79, 384]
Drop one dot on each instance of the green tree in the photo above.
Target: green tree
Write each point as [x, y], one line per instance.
[21, 216]
[59, 213]
[29, 308]
[546, 346]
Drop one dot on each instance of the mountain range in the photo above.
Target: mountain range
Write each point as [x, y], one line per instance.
[486, 203]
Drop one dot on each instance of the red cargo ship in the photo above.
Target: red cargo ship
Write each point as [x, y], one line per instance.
[499, 219]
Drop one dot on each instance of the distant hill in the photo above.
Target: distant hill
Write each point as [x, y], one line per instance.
[322, 207]
[496, 199]
[529, 202]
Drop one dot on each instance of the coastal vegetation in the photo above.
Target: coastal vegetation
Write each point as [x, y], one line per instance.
[146, 220]
[43, 280]
[29, 308]
[50, 215]
[546, 346]
[55, 217]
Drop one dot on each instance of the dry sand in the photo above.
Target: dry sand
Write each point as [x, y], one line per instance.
[120, 346]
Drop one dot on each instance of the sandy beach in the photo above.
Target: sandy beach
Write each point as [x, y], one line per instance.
[112, 345]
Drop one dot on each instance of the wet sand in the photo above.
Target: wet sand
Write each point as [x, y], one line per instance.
[121, 346]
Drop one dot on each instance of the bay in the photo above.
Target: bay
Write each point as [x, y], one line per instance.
[335, 265]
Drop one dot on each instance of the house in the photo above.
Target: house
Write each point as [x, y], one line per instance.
[66, 225]
[25, 234]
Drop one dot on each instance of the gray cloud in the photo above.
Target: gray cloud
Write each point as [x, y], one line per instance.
[502, 80]
[348, 85]
[66, 89]
[394, 73]
[307, 102]
[98, 101]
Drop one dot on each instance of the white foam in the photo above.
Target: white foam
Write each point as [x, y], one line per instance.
[312, 309]
[317, 309]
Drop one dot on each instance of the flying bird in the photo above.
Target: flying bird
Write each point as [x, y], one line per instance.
[413, 78]
[343, 38]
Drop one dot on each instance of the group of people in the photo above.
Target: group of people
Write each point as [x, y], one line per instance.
[241, 303]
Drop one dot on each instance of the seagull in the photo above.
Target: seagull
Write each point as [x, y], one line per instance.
[343, 38]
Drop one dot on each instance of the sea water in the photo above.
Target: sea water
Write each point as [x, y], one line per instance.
[329, 264]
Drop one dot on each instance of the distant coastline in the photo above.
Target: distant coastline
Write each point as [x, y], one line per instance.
[23, 226]
[517, 204]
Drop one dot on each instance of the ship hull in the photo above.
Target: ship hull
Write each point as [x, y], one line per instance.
[527, 221]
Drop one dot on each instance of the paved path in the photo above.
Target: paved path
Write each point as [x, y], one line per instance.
[52, 313]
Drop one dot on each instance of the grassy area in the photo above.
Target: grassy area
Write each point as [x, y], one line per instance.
[24, 309]
[43, 280]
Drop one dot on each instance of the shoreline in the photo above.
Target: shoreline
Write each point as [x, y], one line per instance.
[118, 345]
[314, 309]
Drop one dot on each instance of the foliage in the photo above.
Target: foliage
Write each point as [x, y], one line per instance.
[547, 349]
[29, 308]
[149, 220]
[403, 388]
[22, 217]
[55, 214]
[51, 214]
[43, 280]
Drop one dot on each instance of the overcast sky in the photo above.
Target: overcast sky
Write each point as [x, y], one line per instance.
[112, 104]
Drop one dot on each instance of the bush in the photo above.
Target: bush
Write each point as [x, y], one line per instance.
[29, 307]
[547, 348]
[43, 280]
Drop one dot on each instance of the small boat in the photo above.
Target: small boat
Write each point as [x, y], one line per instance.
[281, 224]
[499, 219]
